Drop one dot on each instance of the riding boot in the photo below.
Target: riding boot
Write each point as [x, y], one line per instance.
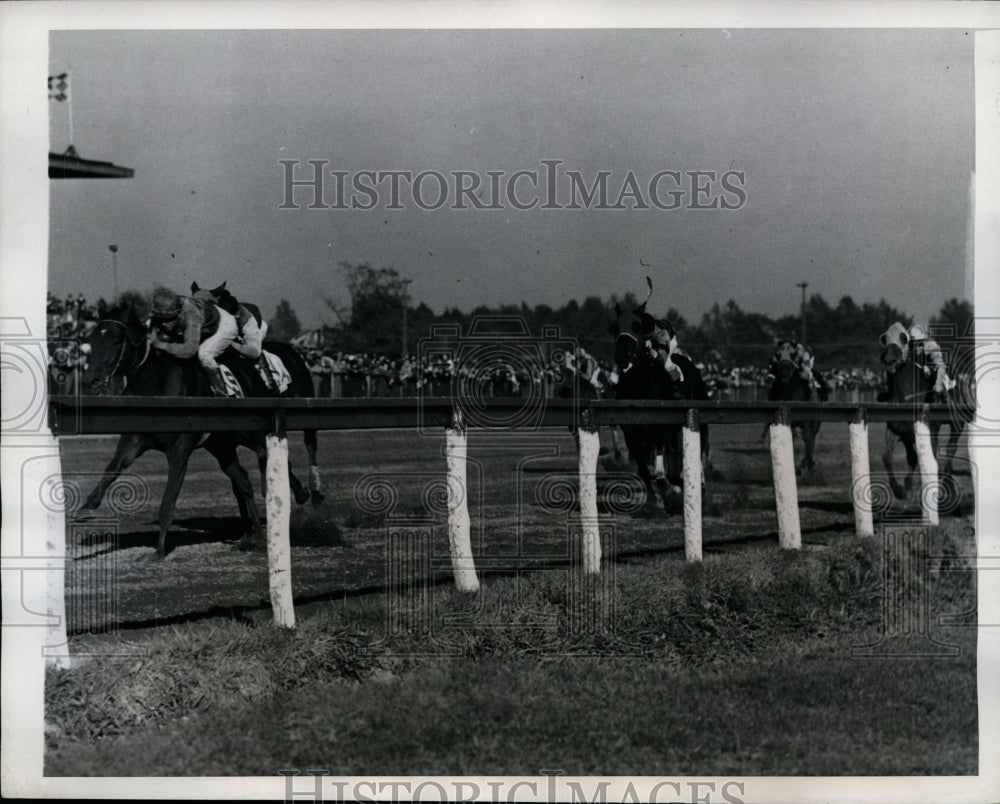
[217, 382]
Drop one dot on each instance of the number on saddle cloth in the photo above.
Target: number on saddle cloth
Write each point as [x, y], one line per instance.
[233, 388]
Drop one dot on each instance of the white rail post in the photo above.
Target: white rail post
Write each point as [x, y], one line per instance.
[590, 447]
[279, 514]
[459, 539]
[56, 647]
[861, 481]
[786, 494]
[929, 487]
[692, 487]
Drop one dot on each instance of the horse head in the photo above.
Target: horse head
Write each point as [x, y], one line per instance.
[896, 346]
[630, 330]
[783, 361]
[115, 346]
[208, 294]
[218, 295]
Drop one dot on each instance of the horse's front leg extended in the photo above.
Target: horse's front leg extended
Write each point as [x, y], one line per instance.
[129, 448]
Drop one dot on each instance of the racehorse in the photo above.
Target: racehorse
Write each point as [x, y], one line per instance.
[909, 382]
[640, 377]
[119, 347]
[790, 386]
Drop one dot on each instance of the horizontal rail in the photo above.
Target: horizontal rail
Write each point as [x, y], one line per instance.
[94, 415]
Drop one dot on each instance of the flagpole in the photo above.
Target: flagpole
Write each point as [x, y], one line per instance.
[114, 268]
[69, 101]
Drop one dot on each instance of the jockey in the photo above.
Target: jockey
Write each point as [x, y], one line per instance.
[252, 332]
[182, 326]
[928, 357]
[251, 328]
[662, 343]
[808, 372]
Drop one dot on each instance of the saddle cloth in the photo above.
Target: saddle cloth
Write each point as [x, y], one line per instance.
[282, 377]
[232, 386]
[279, 375]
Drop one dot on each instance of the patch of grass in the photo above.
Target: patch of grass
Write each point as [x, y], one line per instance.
[363, 519]
[533, 642]
[188, 669]
[608, 717]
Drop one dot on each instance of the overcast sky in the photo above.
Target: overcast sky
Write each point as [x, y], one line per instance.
[855, 149]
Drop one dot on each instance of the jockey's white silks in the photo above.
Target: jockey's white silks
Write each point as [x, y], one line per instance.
[216, 343]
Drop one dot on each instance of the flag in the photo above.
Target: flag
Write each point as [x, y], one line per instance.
[59, 87]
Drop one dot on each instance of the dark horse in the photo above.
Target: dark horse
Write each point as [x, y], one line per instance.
[790, 386]
[640, 376]
[120, 348]
[909, 382]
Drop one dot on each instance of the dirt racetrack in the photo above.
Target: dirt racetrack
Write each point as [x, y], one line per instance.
[521, 518]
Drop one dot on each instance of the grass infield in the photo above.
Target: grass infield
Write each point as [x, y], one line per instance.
[748, 664]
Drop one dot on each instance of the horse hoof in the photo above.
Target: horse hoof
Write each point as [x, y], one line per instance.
[317, 497]
[302, 496]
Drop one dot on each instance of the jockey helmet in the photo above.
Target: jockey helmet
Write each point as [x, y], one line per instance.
[166, 304]
[917, 333]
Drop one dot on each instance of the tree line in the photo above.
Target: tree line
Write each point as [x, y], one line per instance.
[372, 319]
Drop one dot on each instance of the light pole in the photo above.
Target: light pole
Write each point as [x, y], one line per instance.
[406, 301]
[114, 266]
[803, 285]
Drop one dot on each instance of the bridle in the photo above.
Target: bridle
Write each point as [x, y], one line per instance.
[635, 340]
[903, 360]
[117, 370]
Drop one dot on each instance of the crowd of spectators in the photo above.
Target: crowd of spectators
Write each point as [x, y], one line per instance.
[69, 318]
[339, 374]
[68, 322]
[342, 374]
